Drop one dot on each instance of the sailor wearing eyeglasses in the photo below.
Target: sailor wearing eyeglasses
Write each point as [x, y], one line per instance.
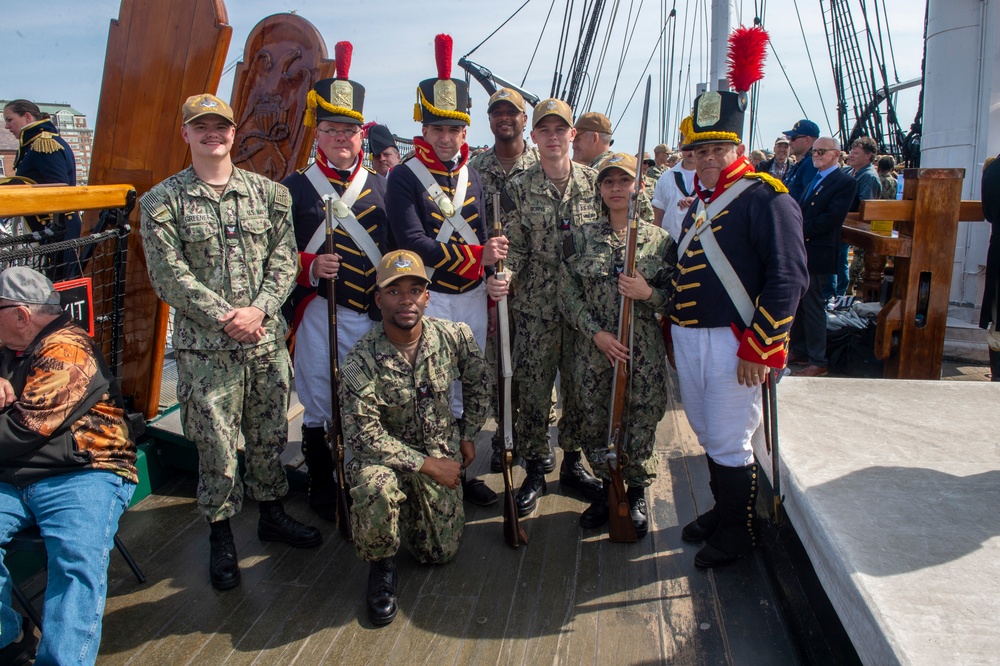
[334, 107]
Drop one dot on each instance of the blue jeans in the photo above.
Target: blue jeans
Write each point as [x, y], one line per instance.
[78, 516]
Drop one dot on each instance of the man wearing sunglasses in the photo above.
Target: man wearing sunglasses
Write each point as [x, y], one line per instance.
[825, 203]
[360, 233]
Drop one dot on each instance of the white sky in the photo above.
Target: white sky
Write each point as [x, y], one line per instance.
[57, 55]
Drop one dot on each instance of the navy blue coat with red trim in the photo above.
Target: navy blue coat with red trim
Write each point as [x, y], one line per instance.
[356, 276]
[761, 234]
[415, 220]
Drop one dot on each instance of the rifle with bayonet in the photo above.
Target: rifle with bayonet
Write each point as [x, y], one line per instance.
[513, 533]
[620, 526]
[334, 430]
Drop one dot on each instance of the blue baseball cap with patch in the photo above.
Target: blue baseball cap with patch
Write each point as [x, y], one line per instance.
[804, 127]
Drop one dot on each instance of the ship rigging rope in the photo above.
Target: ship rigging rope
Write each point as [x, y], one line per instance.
[604, 52]
[819, 89]
[498, 28]
[639, 82]
[794, 94]
[626, 44]
[538, 43]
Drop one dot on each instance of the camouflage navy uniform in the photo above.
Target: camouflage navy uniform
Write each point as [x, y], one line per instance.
[494, 178]
[394, 416]
[538, 228]
[208, 254]
[645, 203]
[590, 302]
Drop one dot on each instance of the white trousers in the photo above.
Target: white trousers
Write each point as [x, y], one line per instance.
[312, 355]
[722, 413]
[468, 308]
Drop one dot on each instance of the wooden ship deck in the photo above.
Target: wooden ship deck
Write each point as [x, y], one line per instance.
[569, 597]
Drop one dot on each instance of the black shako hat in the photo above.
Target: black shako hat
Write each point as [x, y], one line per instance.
[444, 100]
[337, 99]
[380, 138]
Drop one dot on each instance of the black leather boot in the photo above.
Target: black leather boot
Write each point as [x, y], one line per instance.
[704, 525]
[319, 463]
[994, 366]
[573, 474]
[276, 525]
[549, 461]
[476, 491]
[596, 514]
[735, 536]
[223, 565]
[532, 488]
[382, 583]
[637, 506]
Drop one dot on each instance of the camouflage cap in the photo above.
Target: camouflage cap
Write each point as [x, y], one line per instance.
[594, 122]
[21, 284]
[622, 161]
[399, 264]
[661, 148]
[506, 95]
[552, 107]
[205, 104]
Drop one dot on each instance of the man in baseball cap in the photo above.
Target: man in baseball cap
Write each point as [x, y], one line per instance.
[21, 284]
[592, 144]
[800, 141]
[205, 104]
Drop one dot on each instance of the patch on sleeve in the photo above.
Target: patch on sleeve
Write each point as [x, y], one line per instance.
[355, 376]
[154, 208]
[767, 178]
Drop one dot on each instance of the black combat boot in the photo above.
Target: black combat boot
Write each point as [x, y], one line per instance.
[223, 565]
[319, 462]
[276, 525]
[549, 461]
[573, 474]
[735, 535]
[637, 506]
[704, 525]
[532, 488]
[476, 491]
[382, 583]
[994, 366]
[596, 514]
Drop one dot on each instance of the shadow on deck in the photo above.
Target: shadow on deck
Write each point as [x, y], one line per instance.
[570, 597]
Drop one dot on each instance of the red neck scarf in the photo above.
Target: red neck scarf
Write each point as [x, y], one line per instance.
[425, 153]
[727, 177]
[332, 172]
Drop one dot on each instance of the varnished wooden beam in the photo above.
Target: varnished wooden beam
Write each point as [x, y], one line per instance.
[21, 200]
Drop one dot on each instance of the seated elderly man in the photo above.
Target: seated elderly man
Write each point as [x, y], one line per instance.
[67, 464]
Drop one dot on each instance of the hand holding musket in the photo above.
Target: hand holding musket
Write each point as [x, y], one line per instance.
[620, 525]
[334, 432]
[512, 530]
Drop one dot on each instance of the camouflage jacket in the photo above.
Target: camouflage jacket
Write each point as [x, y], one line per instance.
[538, 228]
[69, 413]
[589, 277]
[395, 415]
[208, 254]
[494, 178]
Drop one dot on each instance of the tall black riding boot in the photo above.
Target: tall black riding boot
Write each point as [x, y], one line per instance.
[994, 366]
[223, 565]
[735, 535]
[573, 474]
[704, 525]
[532, 488]
[319, 462]
[382, 582]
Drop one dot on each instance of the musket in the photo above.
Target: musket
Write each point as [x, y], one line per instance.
[620, 526]
[334, 429]
[770, 389]
[512, 530]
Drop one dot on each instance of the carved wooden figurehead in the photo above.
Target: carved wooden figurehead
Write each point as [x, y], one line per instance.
[284, 56]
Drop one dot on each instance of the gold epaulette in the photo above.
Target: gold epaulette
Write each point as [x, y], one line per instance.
[776, 184]
[46, 143]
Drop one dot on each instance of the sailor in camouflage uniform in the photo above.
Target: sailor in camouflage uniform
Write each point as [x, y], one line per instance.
[409, 448]
[360, 232]
[728, 334]
[592, 285]
[509, 156]
[435, 207]
[548, 200]
[592, 146]
[220, 251]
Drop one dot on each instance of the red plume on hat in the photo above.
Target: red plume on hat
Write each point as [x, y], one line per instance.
[343, 52]
[442, 54]
[747, 49]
